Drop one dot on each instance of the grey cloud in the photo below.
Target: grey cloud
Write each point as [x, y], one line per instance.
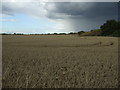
[85, 9]
[102, 10]
[72, 8]
[67, 9]
[83, 15]
[6, 9]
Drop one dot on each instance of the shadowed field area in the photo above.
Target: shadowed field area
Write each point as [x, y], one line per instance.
[59, 61]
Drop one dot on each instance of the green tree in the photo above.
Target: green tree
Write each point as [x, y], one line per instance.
[110, 27]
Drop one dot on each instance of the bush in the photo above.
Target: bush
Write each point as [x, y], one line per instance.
[80, 32]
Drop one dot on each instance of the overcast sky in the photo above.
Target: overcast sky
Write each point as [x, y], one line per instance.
[50, 17]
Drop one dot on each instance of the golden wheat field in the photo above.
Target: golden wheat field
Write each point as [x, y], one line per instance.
[59, 61]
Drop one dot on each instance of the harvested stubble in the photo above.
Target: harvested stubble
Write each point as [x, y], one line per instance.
[59, 61]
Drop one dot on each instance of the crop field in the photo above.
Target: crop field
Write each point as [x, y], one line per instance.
[59, 61]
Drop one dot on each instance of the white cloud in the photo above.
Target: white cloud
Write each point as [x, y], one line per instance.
[35, 9]
[8, 20]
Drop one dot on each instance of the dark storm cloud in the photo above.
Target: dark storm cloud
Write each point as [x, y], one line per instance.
[71, 8]
[102, 10]
[86, 9]
[83, 15]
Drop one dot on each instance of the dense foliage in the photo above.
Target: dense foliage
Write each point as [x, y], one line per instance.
[111, 28]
